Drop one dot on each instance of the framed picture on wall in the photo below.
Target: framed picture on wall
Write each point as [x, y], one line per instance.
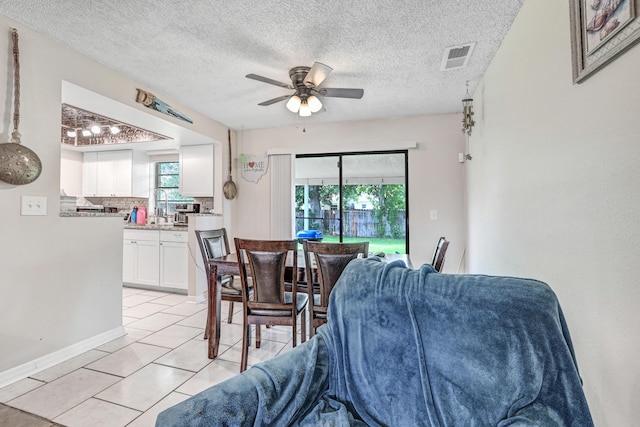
[601, 30]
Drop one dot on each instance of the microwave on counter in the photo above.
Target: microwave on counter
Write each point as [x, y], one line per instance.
[188, 207]
[182, 209]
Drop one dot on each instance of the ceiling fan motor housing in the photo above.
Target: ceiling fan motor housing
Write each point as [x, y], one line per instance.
[297, 75]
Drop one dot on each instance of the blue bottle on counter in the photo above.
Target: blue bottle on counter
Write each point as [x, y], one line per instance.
[134, 215]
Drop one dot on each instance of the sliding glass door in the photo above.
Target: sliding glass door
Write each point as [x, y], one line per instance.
[354, 197]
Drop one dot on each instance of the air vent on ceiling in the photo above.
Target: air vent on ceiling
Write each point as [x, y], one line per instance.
[456, 56]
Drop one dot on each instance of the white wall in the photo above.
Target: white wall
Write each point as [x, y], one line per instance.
[553, 194]
[435, 176]
[60, 278]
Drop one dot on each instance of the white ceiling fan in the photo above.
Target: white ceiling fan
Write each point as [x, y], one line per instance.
[306, 81]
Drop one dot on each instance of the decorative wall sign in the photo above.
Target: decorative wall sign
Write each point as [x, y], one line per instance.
[149, 100]
[601, 30]
[254, 167]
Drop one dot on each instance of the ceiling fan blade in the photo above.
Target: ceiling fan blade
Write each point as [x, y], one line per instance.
[317, 74]
[341, 92]
[274, 100]
[268, 80]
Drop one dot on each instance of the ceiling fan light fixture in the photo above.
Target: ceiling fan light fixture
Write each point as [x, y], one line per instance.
[71, 133]
[114, 130]
[293, 104]
[86, 132]
[314, 104]
[95, 129]
[305, 111]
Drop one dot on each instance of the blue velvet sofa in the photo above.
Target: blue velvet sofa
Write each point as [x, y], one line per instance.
[409, 347]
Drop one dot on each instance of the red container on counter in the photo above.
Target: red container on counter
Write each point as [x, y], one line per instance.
[141, 218]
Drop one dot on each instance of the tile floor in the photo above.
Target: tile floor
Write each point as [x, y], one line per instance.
[160, 362]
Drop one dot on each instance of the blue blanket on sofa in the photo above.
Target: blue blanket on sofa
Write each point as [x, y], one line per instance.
[409, 348]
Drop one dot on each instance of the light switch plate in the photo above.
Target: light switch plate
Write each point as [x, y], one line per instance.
[433, 214]
[33, 205]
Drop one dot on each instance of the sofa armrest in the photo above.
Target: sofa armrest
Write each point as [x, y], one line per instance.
[276, 392]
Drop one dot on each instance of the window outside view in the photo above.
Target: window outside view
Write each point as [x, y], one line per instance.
[168, 181]
[372, 195]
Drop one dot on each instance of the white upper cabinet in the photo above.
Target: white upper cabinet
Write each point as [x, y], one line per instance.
[196, 170]
[122, 173]
[90, 174]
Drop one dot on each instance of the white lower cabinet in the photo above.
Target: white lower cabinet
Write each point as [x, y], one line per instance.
[141, 257]
[174, 259]
[129, 261]
[148, 262]
[155, 258]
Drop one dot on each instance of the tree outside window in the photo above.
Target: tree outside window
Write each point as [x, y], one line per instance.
[168, 179]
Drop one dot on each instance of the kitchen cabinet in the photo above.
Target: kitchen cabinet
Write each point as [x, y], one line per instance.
[141, 257]
[120, 173]
[174, 259]
[158, 258]
[90, 174]
[196, 170]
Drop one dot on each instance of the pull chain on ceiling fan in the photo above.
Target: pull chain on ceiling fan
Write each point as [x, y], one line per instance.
[305, 82]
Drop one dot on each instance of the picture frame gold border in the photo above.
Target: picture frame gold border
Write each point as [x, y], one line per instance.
[583, 66]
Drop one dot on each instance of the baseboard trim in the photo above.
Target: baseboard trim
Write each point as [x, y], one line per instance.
[155, 288]
[48, 360]
[198, 299]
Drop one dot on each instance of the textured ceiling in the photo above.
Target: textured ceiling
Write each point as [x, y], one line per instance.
[198, 52]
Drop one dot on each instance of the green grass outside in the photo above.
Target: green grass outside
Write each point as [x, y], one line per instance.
[376, 244]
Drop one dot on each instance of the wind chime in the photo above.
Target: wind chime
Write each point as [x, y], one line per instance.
[19, 165]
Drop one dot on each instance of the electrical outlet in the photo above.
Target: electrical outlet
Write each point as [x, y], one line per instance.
[33, 205]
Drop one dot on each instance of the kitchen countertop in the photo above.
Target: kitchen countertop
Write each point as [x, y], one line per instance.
[92, 214]
[169, 227]
[71, 214]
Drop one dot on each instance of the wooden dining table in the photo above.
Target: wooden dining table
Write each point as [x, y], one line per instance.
[228, 265]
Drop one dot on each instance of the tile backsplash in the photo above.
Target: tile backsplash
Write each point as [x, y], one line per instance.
[126, 204]
[123, 204]
[206, 203]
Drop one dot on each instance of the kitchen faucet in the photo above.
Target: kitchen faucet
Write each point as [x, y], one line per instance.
[160, 212]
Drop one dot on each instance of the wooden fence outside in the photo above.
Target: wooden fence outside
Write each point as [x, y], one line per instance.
[357, 223]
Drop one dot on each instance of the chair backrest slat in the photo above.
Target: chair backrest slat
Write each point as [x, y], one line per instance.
[331, 259]
[267, 270]
[439, 254]
[213, 244]
[266, 260]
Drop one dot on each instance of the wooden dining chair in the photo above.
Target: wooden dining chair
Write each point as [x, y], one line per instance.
[215, 244]
[439, 254]
[270, 303]
[330, 259]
